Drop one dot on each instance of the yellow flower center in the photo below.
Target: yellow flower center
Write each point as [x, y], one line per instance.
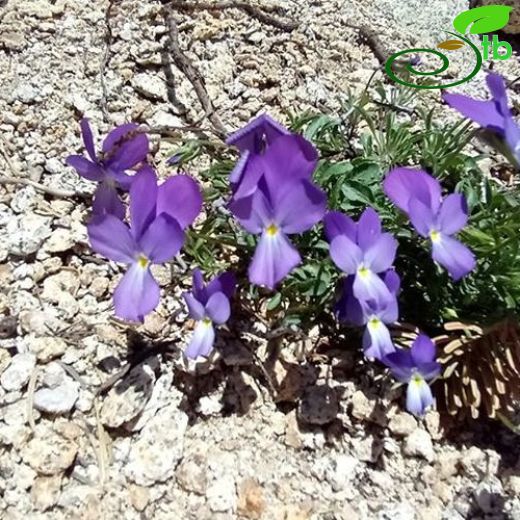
[271, 230]
[417, 379]
[143, 261]
[435, 236]
[374, 323]
[206, 322]
[363, 271]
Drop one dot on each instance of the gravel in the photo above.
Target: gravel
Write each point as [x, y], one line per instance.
[163, 442]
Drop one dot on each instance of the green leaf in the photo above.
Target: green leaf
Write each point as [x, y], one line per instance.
[485, 19]
[274, 301]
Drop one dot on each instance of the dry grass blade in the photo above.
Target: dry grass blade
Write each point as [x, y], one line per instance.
[481, 369]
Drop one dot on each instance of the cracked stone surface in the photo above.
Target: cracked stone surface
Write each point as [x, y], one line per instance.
[156, 445]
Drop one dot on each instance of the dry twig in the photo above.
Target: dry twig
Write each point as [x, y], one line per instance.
[106, 60]
[254, 11]
[6, 179]
[16, 177]
[372, 40]
[184, 64]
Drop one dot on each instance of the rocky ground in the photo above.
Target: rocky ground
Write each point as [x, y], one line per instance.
[164, 442]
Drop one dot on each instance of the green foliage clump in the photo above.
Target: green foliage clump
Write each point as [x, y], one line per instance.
[371, 134]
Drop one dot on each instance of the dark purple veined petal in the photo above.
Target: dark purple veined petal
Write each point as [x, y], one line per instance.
[484, 113]
[124, 150]
[202, 341]
[247, 175]
[392, 281]
[429, 371]
[418, 397]
[300, 208]
[112, 239]
[421, 217]
[377, 342]
[423, 350]
[401, 364]
[290, 158]
[254, 212]
[345, 254]
[348, 308]
[454, 256]
[87, 169]
[275, 257]
[238, 170]
[453, 215]
[143, 201]
[225, 283]
[258, 133]
[196, 309]
[137, 294]
[199, 290]
[403, 184]
[122, 179]
[218, 308]
[368, 229]
[381, 254]
[88, 139]
[117, 135]
[497, 87]
[337, 223]
[181, 198]
[388, 311]
[107, 202]
[162, 239]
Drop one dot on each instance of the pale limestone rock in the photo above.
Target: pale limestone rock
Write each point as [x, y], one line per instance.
[156, 452]
[402, 424]
[18, 372]
[419, 444]
[191, 474]
[46, 348]
[49, 453]
[45, 492]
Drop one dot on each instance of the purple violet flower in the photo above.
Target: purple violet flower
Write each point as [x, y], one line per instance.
[209, 306]
[419, 195]
[493, 114]
[489, 114]
[254, 140]
[282, 203]
[415, 366]
[158, 216]
[121, 150]
[363, 250]
[174, 159]
[373, 314]
[257, 135]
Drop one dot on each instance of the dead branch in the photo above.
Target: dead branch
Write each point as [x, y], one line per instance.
[369, 37]
[16, 177]
[106, 61]
[184, 64]
[254, 11]
[4, 179]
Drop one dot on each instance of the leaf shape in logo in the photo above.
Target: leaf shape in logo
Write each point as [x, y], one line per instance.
[485, 19]
[451, 45]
